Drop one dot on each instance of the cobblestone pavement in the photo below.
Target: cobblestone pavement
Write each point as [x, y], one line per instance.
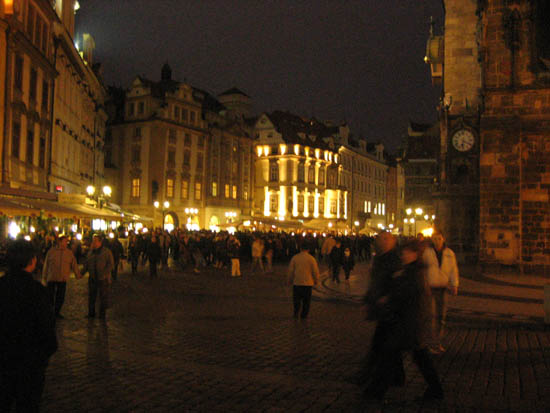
[207, 342]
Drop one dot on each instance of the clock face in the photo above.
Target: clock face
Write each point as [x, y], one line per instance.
[463, 140]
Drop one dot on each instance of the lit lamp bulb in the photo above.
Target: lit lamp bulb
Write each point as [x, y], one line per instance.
[90, 190]
[156, 204]
[166, 204]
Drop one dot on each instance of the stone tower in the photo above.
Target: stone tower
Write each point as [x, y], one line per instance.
[515, 135]
[457, 196]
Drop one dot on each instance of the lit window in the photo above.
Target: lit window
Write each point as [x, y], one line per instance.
[136, 187]
[214, 189]
[184, 189]
[227, 190]
[234, 191]
[169, 188]
[274, 172]
[198, 191]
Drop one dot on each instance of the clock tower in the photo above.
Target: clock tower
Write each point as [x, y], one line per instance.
[454, 60]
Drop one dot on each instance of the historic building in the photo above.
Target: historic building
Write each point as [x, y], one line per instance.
[298, 172]
[178, 147]
[496, 124]
[420, 160]
[395, 193]
[79, 116]
[365, 177]
[455, 60]
[28, 70]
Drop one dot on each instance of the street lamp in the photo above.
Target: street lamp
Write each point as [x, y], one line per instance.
[165, 206]
[100, 197]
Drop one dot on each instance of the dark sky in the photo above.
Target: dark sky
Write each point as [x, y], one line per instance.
[354, 60]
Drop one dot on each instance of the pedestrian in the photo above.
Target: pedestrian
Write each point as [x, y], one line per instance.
[348, 262]
[99, 264]
[336, 260]
[303, 274]
[133, 252]
[58, 265]
[443, 279]
[405, 311]
[153, 255]
[27, 331]
[233, 247]
[257, 253]
[269, 255]
[386, 262]
[118, 251]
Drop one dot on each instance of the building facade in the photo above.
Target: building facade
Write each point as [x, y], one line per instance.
[28, 70]
[170, 144]
[495, 129]
[79, 115]
[298, 173]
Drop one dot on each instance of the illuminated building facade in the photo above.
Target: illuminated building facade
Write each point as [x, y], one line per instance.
[298, 171]
[52, 120]
[364, 175]
[172, 142]
[79, 116]
[28, 72]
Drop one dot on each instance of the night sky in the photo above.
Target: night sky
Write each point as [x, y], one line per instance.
[354, 60]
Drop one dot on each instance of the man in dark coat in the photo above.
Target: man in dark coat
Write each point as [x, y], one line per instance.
[336, 260]
[27, 331]
[118, 251]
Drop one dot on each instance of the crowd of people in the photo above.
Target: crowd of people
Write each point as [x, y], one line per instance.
[409, 282]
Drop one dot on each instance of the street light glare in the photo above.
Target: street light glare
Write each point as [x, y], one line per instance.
[107, 191]
[418, 211]
[409, 211]
[156, 204]
[166, 204]
[90, 189]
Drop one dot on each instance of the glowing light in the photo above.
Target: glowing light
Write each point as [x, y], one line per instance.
[427, 232]
[266, 150]
[113, 225]
[433, 216]
[79, 237]
[214, 228]
[246, 223]
[409, 211]
[297, 149]
[314, 235]
[33, 229]
[418, 211]
[412, 220]
[283, 149]
[145, 230]
[13, 229]
[157, 204]
[8, 6]
[426, 217]
[90, 190]
[111, 235]
[390, 226]
[74, 228]
[107, 190]
[406, 220]
[166, 204]
[292, 234]
[76, 6]
[27, 237]
[317, 153]
[56, 229]
[138, 226]
[303, 234]
[259, 149]
[76, 45]
[306, 151]
[330, 224]
[356, 223]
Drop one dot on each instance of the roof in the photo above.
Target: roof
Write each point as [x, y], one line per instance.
[305, 131]
[233, 91]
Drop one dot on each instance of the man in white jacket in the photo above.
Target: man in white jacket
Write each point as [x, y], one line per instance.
[443, 278]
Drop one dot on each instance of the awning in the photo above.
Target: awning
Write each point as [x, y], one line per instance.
[30, 206]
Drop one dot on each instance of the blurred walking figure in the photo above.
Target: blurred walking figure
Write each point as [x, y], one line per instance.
[269, 246]
[153, 255]
[58, 265]
[336, 261]
[406, 314]
[27, 331]
[348, 262]
[99, 264]
[257, 253]
[118, 251]
[443, 278]
[233, 246]
[303, 274]
[133, 252]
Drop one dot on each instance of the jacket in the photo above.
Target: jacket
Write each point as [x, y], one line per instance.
[27, 323]
[100, 264]
[442, 276]
[303, 270]
[58, 265]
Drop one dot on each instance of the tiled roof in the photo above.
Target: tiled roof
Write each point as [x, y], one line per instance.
[297, 129]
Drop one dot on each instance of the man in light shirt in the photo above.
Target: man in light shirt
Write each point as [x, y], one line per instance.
[60, 262]
[303, 274]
